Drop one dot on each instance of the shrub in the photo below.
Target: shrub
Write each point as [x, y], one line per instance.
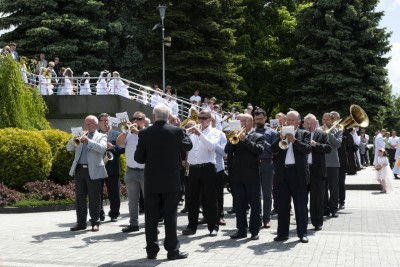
[48, 190]
[8, 196]
[122, 164]
[62, 159]
[25, 157]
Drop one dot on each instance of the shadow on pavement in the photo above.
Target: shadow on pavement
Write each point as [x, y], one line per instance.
[58, 235]
[137, 263]
[114, 237]
[264, 248]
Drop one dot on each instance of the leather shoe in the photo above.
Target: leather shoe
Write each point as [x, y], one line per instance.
[238, 235]
[334, 215]
[231, 211]
[318, 228]
[304, 239]
[78, 227]
[177, 255]
[266, 225]
[102, 218]
[326, 213]
[213, 233]
[184, 210]
[341, 207]
[221, 222]
[254, 237]
[130, 228]
[95, 228]
[114, 219]
[274, 212]
[188, 231]
[151, 256]
[202, 221]
[281, 238]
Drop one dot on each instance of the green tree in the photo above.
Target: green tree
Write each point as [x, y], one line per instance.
[70, 30]
[340, 59]
[201, 55]
[20, 105]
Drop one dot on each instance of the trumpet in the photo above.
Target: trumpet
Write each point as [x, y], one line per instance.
[76, 140]
[127, 127]
[108, 156]
[233, 137]
[284, 143]
[194, 126]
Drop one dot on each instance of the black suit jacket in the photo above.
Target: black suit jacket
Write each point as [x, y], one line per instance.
[318, 152]
[159, 147]
[301, 149]
[244, 159]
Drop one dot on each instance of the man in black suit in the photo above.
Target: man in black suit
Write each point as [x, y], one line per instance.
[316, 161]
[159, 148]
[292, 173]
[245, 177]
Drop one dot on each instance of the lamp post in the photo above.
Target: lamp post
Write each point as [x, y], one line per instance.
[162, 9]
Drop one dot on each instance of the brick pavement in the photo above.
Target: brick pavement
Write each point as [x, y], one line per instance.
[366, 233]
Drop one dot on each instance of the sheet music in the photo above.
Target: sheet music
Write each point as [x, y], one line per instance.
[288, 130]
[77, 131]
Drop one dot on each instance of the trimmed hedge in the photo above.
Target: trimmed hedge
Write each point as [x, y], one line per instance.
[25, 157]
[62, 159]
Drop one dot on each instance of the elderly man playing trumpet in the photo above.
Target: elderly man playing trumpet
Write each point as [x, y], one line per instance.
[88, 170]
[134, 177]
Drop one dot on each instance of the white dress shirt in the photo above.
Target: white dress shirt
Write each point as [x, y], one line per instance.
[289, 154]
[131, 142]
[204, 146]
[310, 155]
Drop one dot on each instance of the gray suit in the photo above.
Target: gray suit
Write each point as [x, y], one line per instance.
[332, 169]
[88, 177]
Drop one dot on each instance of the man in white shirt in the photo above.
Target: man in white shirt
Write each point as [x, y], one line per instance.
[156, 98]
[393, 139]
[196, 97]
[134, 177]
[202, 175]
[173, 105]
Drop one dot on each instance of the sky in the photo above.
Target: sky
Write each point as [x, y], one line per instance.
[392, 13]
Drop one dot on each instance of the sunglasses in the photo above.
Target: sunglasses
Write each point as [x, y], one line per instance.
[137, 119]
[203, 118]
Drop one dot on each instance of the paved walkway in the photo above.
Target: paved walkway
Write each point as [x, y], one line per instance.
[366, 233]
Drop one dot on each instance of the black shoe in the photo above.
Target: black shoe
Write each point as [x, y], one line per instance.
[214, 232]
[188, 231]
[238, 235]
[326, 213]
[318, 228]
[161, 220]
[254, 237]
[177, 255]
[95, 228]
[274, 212]
[232, 211]
[341, 206]
[151, 256]
[281, 238]
[114, 219]
[184, 210]
[180, 203]
[304, 239]
[334, 215]
[102, 218]
[78, 227]
[130, 228]
[202, 221]
[141, 211]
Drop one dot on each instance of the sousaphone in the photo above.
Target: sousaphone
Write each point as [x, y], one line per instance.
[357, 117]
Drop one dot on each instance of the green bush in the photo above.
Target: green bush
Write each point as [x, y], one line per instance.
[62, 159]
[122, 170]
[25, 157]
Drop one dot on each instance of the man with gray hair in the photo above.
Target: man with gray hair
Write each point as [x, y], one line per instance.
[159, 148]
[88, 170]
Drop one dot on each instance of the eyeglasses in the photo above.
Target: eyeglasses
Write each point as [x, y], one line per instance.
[137, 119]
[203, 118]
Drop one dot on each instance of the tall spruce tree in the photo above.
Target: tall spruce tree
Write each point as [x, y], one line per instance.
[201, 56]
[70, 30]
[340, 59]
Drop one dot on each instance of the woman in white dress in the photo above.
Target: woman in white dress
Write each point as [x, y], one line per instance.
[102, 87]
[84, 86]
[115, 85]
[45, 86]
[66, 82]
[22, 62]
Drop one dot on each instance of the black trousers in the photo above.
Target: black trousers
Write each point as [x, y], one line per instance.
[247, 194]
[317, 192]
[342, 185]
[156, 205]
[294, 187]
[203, 180]
[332, 189]
[85, 186]
[220, 193]
[391, 153]
[113, 189]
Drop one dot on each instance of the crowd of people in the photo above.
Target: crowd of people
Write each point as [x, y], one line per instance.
[169, 162]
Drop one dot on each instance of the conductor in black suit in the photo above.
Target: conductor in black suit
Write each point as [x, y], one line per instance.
[159, 148]
[245, 177]
[292, 174]
[316, 161]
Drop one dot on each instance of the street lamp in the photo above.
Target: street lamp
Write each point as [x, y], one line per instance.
[162, 9]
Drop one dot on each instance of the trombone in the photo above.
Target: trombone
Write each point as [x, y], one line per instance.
[76, 140]
[233, 137]
[337, 125]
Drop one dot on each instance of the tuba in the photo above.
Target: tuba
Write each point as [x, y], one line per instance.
[194, 113]
[357, 117]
